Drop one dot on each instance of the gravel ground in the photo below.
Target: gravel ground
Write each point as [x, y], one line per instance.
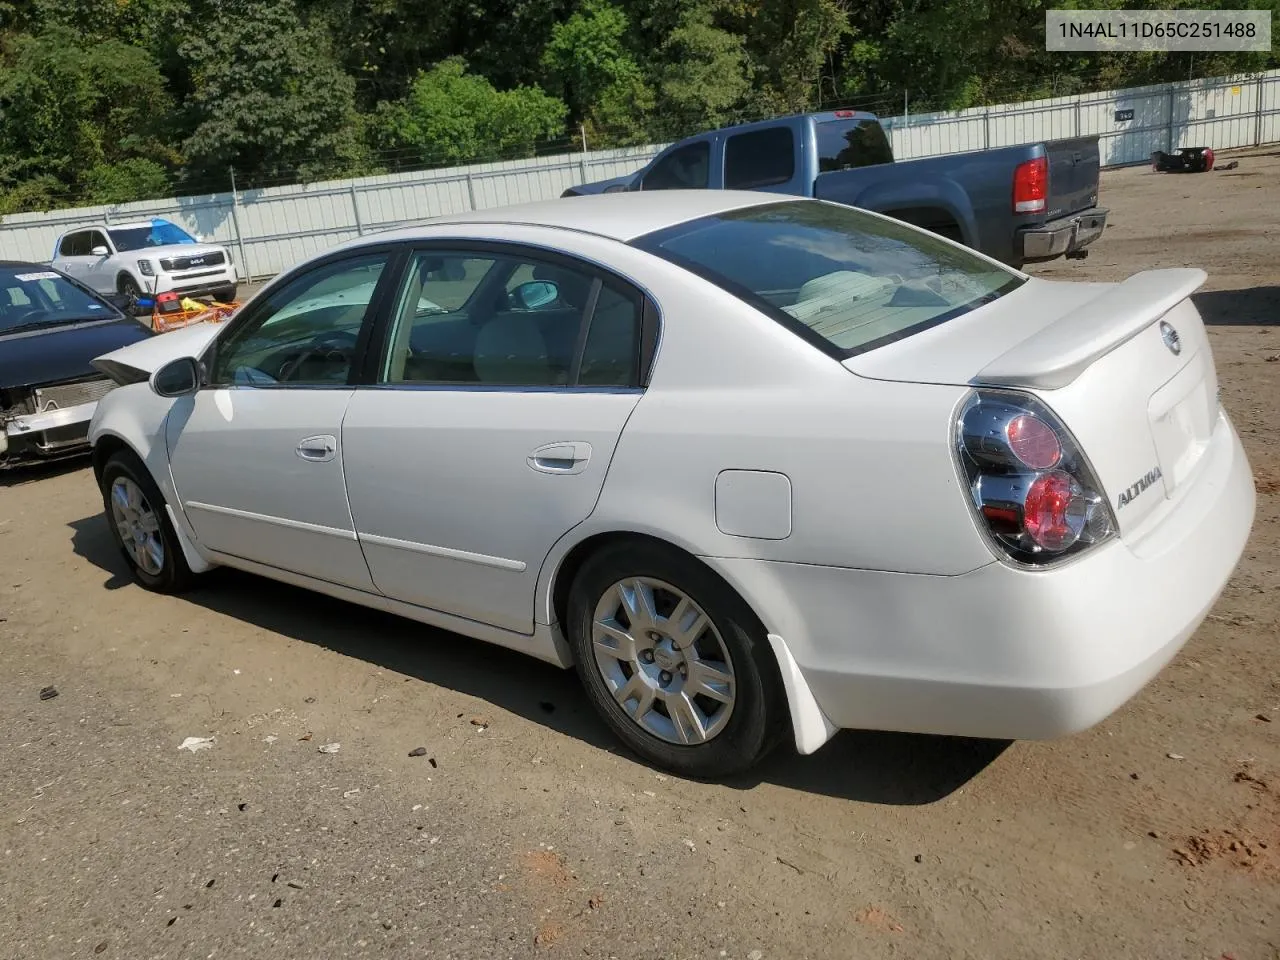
[523, 831]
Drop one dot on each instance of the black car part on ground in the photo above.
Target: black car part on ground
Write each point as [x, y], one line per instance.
[1185, 160]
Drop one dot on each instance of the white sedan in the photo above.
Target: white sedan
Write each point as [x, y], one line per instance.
[758, 468]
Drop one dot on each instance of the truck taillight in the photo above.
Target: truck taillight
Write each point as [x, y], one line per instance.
[1031, 488]
[1031, 186]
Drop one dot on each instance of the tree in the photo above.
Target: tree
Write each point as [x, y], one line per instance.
[71, 108]
[451, 116]
[145, 23]
[789, 43]
[268, 98]
[704, 79]
[593, 66]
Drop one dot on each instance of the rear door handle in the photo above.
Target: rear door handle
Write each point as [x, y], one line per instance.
[318, 449]
[566, 457]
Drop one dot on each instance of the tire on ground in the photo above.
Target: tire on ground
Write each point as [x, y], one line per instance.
[174, 575]
[758, 720]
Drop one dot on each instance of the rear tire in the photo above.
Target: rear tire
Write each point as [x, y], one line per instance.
[135, 511]
[674, 661]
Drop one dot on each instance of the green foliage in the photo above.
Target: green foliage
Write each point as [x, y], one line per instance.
[41, 192]
[267, 96]
[452, 116]
[595, 69]
[70, 108]
[134, 179]
[705, 79]
[115, 100]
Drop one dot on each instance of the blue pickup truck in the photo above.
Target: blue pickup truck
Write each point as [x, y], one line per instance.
[1022, 204]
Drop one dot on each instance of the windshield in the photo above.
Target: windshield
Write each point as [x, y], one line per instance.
[31, 298]
[843, 279]
[161, 233]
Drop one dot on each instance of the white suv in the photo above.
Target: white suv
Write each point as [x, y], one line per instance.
[147, 257]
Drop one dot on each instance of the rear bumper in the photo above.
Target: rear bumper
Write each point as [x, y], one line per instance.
[1002, 652]
[1060, 237]
[40, 436]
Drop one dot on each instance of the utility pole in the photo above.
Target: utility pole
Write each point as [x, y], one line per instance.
[235, 224]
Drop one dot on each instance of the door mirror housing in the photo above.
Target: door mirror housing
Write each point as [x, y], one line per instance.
[100, 251]
[178, 378]
[534, 294]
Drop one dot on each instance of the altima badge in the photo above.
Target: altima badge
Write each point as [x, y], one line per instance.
[1128, 496]
[1170, 337]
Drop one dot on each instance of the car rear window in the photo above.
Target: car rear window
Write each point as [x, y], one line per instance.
[846, 144]
[846, 280]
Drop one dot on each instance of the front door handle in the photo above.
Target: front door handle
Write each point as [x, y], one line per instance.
[318, 449]
[566, 457]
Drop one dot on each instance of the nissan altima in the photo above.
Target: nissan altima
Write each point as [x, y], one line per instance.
[758, 468]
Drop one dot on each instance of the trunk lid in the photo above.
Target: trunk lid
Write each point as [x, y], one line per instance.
[1127, 367]
[1074, 167]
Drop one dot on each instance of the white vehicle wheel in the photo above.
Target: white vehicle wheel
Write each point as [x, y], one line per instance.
[135, 511]
[674, 661]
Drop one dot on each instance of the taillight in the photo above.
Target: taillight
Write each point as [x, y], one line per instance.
[1030, 486]
[1031, 185]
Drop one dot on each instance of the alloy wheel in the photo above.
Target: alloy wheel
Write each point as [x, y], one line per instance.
[138, 525]
[663, 660]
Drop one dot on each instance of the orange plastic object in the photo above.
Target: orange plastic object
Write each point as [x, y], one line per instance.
[214, 312]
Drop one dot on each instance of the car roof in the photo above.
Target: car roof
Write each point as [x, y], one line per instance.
[25, 263]
[618, 216]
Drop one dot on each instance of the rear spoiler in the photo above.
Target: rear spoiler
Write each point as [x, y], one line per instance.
[1055, 356]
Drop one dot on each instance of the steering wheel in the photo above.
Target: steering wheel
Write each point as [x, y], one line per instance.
[333, 347]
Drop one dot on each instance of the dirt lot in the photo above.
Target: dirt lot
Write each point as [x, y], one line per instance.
[524, 832]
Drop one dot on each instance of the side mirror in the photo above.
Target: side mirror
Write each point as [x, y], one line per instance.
[100, 251]
[121, 301]
[534, 294]
[177, 378]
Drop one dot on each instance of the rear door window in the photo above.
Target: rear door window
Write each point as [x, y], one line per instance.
[761, 158]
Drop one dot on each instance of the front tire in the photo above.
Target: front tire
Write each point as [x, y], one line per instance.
[135, 511]
[674, 661]
[127, 286]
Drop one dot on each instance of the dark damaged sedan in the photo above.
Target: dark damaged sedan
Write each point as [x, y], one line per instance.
[50, 328]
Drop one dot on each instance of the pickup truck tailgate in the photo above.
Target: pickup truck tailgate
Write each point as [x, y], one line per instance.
[1074, 166]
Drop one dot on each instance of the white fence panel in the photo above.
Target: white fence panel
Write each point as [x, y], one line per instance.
[269, 229]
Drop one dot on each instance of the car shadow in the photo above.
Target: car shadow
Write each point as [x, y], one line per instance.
[21, 474]
[885, 768]
[1255, 306]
